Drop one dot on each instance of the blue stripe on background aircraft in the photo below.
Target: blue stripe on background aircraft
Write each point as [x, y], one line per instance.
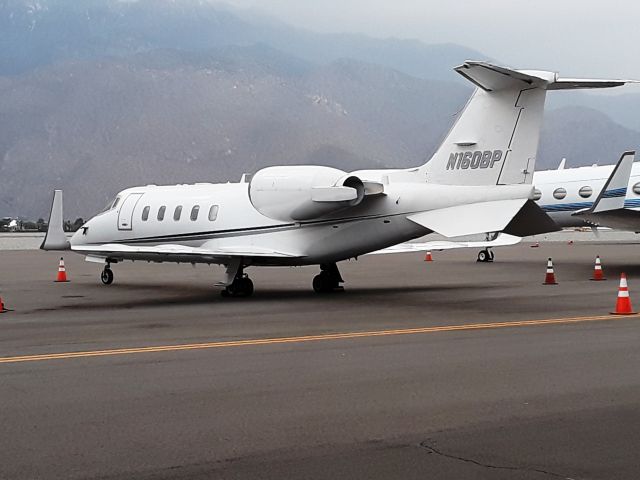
[478, 181]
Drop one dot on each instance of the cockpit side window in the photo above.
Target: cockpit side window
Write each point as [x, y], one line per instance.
[115, 202]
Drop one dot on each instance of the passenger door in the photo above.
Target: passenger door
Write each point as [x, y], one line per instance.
[125, 215]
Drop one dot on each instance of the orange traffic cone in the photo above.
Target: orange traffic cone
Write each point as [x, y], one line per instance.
[597, 271]
[62, 272]
[428, 257]
[623, 304]
[550, 277]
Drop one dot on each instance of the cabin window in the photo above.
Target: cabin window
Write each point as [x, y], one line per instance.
[177, 212]
[585, 192]
[161, 211]
[636, 188]
[559, 193]
[145, 213]
[194, 212]
[537, 194]
[213, 213]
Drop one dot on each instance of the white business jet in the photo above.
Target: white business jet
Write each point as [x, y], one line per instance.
[568, 194]
[479, 180]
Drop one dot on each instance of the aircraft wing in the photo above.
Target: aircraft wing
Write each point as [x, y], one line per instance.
[608, 209]
[176, 252]
[502, 240]
[519, 217]
[623, 219]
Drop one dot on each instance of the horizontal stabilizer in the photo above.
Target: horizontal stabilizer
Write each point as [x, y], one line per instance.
[492, 78]
[55, 239]
[470, 219]
[580, 83]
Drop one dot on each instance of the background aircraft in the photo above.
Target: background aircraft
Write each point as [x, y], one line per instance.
[568, 195]
[478, 180]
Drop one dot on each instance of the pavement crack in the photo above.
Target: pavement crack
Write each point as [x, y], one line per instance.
[435, 451]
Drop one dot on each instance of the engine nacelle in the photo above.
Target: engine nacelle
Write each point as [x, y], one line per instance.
[304, 192]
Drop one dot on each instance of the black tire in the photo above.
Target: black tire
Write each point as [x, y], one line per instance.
[323, 283]
[246, 287]
[106, 276]
[241, 287]
[318, 284]
[483, 256]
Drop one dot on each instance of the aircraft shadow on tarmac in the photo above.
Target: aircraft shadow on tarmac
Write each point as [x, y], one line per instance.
[184, 295]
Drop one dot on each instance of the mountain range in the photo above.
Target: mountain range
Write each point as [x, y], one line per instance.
[99, 95]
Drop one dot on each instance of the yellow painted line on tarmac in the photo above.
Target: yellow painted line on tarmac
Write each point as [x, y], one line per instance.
[310, 338]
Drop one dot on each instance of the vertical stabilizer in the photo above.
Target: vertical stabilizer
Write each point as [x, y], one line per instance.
[495, 138]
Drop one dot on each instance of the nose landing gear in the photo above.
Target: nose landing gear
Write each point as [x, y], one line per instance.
[107, 275]
[485, 256]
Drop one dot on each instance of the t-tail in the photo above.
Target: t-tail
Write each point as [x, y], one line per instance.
[495, 138]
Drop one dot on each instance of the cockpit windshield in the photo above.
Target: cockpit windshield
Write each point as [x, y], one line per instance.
[111, 205]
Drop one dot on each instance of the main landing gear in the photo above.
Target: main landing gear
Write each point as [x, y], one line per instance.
[107, 275]
[485, 255]
[328, 280]
[242, 286]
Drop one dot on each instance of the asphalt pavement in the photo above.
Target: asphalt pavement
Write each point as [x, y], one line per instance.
[447, 369]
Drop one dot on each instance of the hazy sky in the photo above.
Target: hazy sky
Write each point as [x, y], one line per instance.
[575, 37]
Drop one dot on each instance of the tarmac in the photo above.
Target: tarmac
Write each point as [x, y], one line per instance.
[448, 369]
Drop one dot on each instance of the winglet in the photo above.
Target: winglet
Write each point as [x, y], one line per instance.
[55, 239]
[613, 193]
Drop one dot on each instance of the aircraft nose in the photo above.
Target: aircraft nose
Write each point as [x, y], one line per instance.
[80, 236]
